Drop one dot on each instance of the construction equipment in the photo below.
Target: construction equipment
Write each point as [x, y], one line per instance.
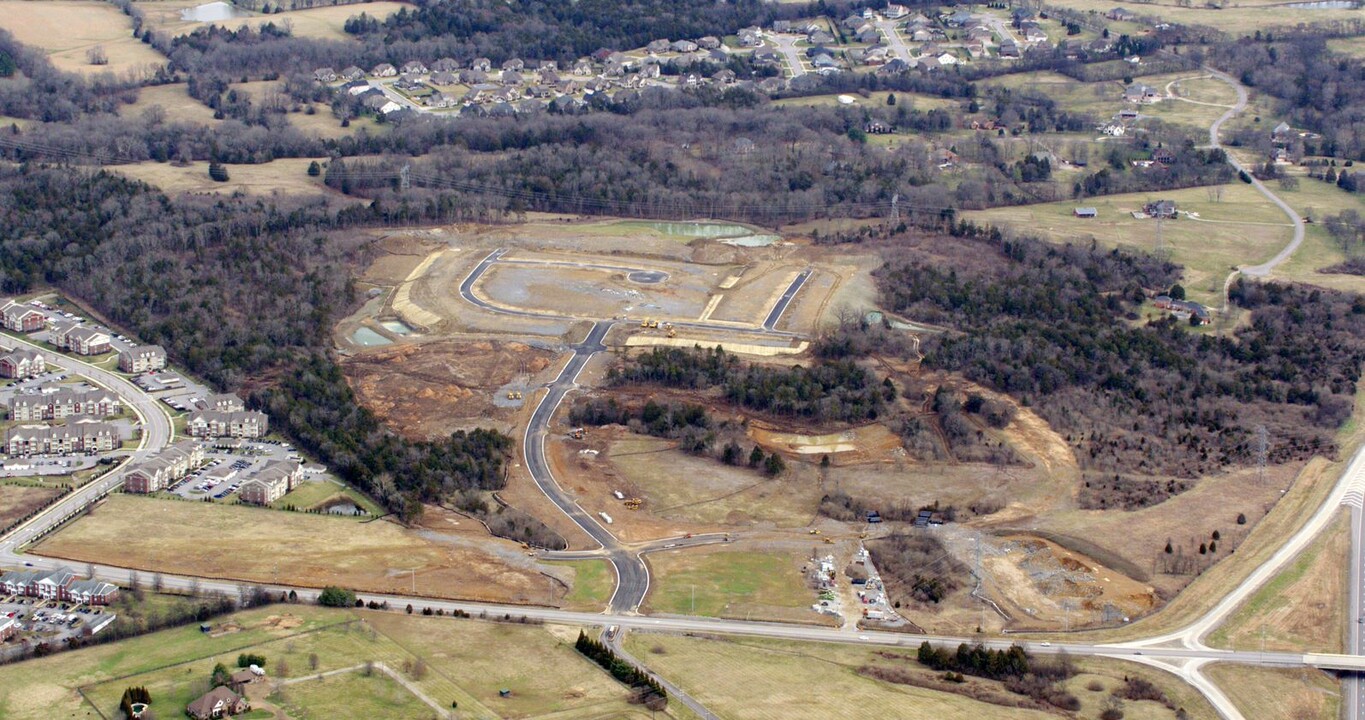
[672, 332]
[644, 323]
[654, 324]
[518, 395]
[829, 541]
[633, 504]
[576, 433]
[815, 531]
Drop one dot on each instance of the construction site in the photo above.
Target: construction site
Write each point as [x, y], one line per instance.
[469, 326]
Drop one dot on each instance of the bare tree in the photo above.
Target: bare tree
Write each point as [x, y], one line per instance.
[97, 56]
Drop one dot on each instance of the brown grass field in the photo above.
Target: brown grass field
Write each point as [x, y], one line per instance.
[1301, 607]
[279, 177]
[175, 103]
[16, 501]
[1243, 19]
[67, 29]
[305, 549]
[803, 682]
[724, 582]
[1266, 694]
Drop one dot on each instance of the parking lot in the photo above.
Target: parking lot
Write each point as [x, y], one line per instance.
[49, 620]
[57, 464]
[231, 465]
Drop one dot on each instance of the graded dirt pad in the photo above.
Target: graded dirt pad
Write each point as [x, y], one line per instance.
[226, 541]
[286, 176]
[68, 29]
[431, 389]
[1042, 584]
[554, 284]
[869, 443]
[17, 501]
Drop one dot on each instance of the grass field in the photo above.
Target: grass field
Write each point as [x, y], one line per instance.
[309, 495]
[351, 695]
[324, 125]
[593, 583]
[1266, 694]
[286, 176]
[730, 583]
[920, 102]
[466, 661]
[702, 490]
[306, 549]
[1304, 607]
[67, 29]
[323, 23]
[1242, 228]
[804, 682]
[175, 102]
[1243, 19]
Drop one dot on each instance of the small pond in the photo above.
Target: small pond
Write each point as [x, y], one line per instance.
[1325, 5]
[345, 508]
[698, 229]
[368, 338]
[752, 240]
[212, 12]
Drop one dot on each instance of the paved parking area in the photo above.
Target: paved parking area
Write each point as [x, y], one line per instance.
[50, 620]
[229, 467]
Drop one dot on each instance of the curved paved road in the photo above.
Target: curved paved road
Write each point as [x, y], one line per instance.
[1267, 267]
[156, 434]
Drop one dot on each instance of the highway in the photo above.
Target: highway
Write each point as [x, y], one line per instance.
[1352, 689]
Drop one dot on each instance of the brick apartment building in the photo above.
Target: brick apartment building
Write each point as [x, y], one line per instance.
[60, 584]
[79, 339]
[63, 402]
[143, 358]
[21, 363]
[271, 482]
[85, 436]
[18, 317]
[157, 473]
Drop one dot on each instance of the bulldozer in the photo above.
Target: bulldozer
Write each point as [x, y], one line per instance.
[644, 323]
[654, 324]
[633, 503]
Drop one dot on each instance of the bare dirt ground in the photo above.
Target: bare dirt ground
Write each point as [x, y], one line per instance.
[1045, 585]
[434, 388]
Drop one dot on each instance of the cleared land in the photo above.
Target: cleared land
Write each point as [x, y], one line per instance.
[800, 682]
[1242, 19]
[1241, 228]
[730, 583]
[67, 29]
[1304, 607]
[307, 549]
[1265, 694]
[593, 583]
[284, 177]
[351, 695]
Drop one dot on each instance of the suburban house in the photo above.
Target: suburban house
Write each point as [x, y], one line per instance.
[414, 67]
[143, 358]
[1009, 49]
[325, 75]
[217, 703]
[271, 482]
[1141, 94]
[1197, 314]
[21, 364]
[59, 584]
[351, 74]
[63, 402]
[1119, 14]
[78, 339]
[157, 473]
[87, 436]
[1160, 209]
[384, 70]
[237, 424]
[482, 64]
[21, 318]
[895, 12]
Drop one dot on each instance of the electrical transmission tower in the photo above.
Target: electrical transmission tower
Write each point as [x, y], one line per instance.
[1262, 452]
[404, 182]
[895, 210]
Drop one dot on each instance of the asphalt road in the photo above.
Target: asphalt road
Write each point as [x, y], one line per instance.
[786, 44]
[1352, 689]
[894, 39]
[786, 299]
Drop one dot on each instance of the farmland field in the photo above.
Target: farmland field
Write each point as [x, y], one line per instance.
[67, 29]
[731, 583]
[1266, 694]
[285, 176]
